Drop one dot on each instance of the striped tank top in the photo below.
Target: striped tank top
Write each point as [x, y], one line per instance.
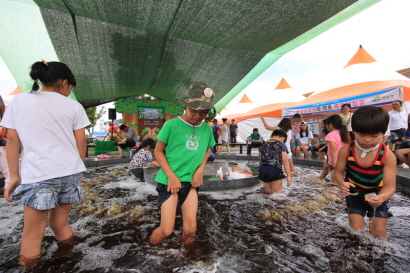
[369, 178]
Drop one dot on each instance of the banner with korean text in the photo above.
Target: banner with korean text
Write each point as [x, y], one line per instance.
[379, 98]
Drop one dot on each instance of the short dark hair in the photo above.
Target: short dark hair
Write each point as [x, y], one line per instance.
[255, 129]
[285, 124]
[279, 133]
[148, 142]
[296, 116]
[123, 126]
[399, 101]
[370, 120]
[346, 104]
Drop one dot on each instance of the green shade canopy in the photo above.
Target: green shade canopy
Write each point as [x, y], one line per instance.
[124, 48]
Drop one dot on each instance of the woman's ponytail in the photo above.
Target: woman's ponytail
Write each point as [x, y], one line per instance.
[37, 73]
[50, 73]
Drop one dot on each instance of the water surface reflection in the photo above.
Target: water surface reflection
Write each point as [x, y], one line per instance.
[303, 230]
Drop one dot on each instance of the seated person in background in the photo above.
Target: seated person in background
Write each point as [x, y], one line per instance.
[320, 148]
[273, 153]
[142, 155]
[130, 139]
[211, 157]
[402, 153]
[305, 138]
[254, 140]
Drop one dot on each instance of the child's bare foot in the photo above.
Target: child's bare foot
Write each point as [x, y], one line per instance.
[23, 260]
[188, 240]
[318, 176]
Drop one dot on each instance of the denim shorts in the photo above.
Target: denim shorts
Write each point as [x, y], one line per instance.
[163, 194]
[47, 194]
[268, 173]
[356, 204]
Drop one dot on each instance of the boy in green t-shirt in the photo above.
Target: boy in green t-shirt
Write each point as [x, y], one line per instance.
[187, 140]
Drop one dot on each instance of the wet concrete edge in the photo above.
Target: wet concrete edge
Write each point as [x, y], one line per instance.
[402, 175]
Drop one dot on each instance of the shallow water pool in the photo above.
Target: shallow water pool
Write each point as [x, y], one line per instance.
[303, 230]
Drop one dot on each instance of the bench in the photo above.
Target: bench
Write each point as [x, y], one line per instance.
[89, 146]
[241, 145]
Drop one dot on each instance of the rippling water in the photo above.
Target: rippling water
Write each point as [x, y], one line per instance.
[303, 230]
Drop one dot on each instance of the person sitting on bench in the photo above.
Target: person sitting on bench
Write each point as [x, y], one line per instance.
[130, 139]
[255, 140]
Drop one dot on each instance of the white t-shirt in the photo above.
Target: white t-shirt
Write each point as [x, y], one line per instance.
[287, 143]
[398, 120]
[304, 139]
[45, 122]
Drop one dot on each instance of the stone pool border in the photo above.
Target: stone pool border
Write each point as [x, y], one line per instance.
[402, 175]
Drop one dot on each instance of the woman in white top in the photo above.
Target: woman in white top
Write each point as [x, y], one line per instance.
[286, 125]
[225, 136]
[305, 138]
[346, 116]
[49, 180]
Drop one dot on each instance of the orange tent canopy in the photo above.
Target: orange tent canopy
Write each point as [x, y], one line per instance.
[354, 90]
[245, 99]
[269, 111]
[15, 91]
[283, 84]
[361, 57]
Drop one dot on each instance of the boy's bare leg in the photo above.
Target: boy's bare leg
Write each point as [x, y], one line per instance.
[189, 212]
[58, 221]
[34, 228]
[292, 167]
[228, 149]
[378, 227]
[168, 214]
[276, 186]
[356, 221]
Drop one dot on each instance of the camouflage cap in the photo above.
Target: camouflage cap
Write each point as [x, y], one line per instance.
[200, 97]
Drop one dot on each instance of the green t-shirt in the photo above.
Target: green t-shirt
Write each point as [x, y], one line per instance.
[186, 148]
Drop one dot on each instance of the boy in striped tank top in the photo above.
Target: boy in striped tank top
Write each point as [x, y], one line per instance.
[366, 166]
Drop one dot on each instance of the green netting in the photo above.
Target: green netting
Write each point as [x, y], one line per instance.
[126, 48]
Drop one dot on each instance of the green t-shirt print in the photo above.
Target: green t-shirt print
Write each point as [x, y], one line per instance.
[186, 148]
